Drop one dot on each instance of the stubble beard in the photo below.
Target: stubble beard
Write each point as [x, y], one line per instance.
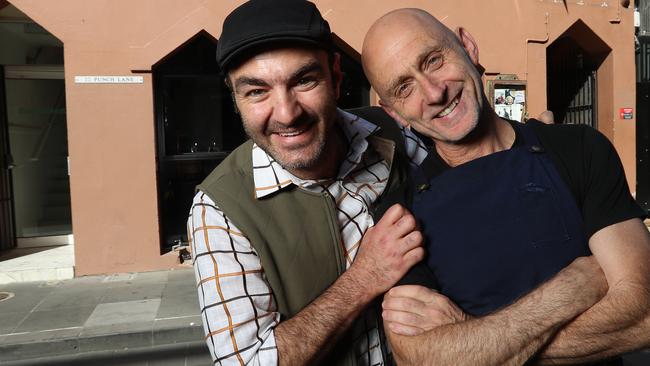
[301, 157]
[474, 126]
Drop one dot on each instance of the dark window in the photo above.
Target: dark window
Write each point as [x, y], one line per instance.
[196, 127]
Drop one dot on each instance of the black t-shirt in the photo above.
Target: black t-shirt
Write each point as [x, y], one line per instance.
[587, 163]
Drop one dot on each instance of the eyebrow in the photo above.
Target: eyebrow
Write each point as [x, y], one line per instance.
[245, 80]
[312, 66]
[395, 84]
[302, 71]
[420, 59]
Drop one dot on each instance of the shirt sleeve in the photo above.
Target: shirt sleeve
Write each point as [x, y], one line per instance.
[237, 305]
[607, 199]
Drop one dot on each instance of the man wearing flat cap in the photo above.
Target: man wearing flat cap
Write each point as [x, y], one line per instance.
[289, 251]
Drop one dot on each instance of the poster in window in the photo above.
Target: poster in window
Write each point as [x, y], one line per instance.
[508, 97]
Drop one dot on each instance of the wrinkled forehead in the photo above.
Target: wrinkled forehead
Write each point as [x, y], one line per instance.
[395, 50]
[419, 37]
[407, 23]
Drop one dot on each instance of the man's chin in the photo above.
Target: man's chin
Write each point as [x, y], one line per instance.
[296, 160]
[462, 132]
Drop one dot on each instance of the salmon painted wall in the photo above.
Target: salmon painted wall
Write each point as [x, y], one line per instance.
[513, 35]
[111, 129]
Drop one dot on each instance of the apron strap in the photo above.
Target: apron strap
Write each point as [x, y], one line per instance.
[530, 138]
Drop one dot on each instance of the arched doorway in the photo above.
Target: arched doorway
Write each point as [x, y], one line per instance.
[35, 139]
[574, 75]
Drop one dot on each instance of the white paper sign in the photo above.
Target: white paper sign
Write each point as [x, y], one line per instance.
[109, 79]
[520, 97]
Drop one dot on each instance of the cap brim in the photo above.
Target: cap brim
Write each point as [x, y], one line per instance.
[249, 50]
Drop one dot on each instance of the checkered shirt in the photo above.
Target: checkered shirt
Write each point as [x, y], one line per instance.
[237, 305]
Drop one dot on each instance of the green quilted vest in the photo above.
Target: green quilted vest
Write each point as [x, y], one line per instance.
[295, 232]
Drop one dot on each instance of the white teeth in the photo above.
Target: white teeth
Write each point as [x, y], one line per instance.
[450, 108]
[290, 134]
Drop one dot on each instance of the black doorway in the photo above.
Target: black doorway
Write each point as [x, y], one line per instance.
[571, 87]
[643, 122]
[7, 235]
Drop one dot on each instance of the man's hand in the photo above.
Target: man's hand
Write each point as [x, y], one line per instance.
[547, 117]
[388, 250]
[412, 310]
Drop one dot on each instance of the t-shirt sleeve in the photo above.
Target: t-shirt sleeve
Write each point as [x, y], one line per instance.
[607, 199]
[420, 274]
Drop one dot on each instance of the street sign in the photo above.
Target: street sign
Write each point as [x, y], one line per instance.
[108, 79]
[626, 113]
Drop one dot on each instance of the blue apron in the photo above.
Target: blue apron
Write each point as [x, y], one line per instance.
[498, 226]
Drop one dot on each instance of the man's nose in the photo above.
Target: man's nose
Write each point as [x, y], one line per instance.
[433, 90]
[287, 108]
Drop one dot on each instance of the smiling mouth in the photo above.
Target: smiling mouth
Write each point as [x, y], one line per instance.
[450, 108]
[292, 133]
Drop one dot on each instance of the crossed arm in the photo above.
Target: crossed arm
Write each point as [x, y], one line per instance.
[620, 321]
[507, 337]
[565, 321]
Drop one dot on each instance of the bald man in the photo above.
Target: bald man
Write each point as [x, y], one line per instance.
[511, 212]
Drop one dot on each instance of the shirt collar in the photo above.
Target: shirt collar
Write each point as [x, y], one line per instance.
[270, 177]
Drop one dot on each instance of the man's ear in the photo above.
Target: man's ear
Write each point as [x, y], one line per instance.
[337, 75]
[394, 115]
[469, 44]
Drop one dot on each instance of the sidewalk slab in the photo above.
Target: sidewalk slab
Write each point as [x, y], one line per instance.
[54, 263]
[87, 315]
[54, 319]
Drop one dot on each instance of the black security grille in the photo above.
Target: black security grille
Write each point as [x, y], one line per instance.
[571, 87]
[643, 59]
[582, 108]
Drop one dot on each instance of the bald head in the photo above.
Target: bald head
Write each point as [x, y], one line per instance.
[425, 74]
[389, 33]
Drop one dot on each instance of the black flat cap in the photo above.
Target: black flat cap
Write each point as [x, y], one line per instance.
[258, 24]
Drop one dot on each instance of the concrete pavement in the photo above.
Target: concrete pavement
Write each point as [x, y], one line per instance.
[123, 319]
[47, 263]
[133, 319]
